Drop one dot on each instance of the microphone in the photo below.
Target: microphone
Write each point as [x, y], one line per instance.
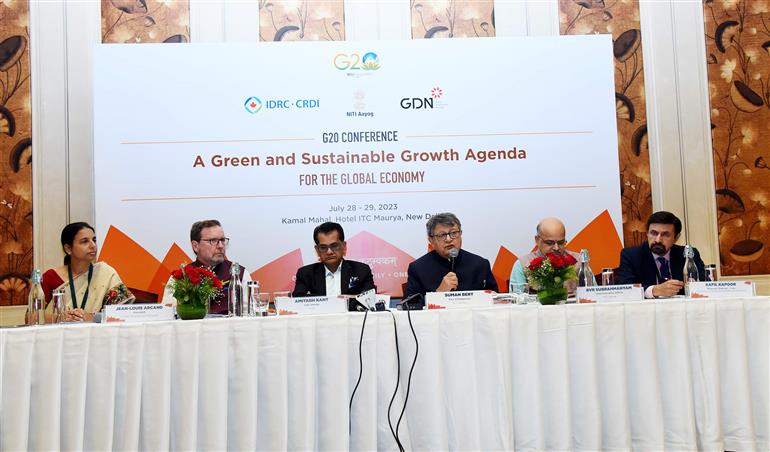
[453, 253]
[411, 303]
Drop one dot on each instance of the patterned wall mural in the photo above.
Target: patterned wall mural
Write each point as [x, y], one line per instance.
[301, 20]
[452, 18]
[621, 19]
[15, 154]
[136, 21]
[738, 56]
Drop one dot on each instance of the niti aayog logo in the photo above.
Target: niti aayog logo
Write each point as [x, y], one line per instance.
[356, 62]
[253, 104]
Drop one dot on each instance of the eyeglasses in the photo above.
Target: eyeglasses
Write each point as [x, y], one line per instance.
[451, 235]
[654, 234]
[561, 242]
[336, 246]
[215, 242]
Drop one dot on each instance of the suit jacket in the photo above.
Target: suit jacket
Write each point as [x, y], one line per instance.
[473, 273]
[637, 265]
[311, 279]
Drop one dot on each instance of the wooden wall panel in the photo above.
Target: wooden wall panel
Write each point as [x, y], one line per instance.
[738, 57]
[15, 154]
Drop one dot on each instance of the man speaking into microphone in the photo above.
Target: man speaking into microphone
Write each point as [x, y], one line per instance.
[448, 267]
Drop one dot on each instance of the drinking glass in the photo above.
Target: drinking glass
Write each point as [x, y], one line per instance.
[519, 291]
[59, 306]
[608, 277]
[273, 310]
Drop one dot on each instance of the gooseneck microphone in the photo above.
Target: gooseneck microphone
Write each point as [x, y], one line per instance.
[453, 253]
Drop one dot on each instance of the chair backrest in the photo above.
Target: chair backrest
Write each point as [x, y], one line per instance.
[143, 296]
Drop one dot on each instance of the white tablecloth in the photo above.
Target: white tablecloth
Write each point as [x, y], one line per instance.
[651, 375]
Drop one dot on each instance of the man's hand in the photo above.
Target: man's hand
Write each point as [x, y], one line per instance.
[448, 283]
[668, 288]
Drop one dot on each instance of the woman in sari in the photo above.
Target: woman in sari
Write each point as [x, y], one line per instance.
[87, 285]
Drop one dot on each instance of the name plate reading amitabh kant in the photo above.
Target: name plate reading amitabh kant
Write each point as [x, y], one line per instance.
[466, 299]
[722, 289]
[311, 305]
[147, 312]
[601, 294]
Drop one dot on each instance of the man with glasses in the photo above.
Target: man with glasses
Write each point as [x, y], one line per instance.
[549, 238]
[332, 275]
[448, 267]
[209, 244]
[658, 264]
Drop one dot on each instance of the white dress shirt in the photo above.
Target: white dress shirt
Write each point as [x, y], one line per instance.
[333, 281]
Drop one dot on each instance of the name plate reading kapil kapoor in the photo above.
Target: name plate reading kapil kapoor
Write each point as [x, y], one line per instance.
[145, 312]
[466, 299]
[601, 294]
[722, 289]
[311, 305]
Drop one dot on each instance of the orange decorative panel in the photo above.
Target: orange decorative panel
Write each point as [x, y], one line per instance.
[301, 20]
[15, 154]
[452, 18]
[738, 56]
[621, 19]
[136, 21]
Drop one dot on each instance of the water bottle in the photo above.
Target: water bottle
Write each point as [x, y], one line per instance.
[36, 299]
[585, 275]
[690, 271]
[235, 292]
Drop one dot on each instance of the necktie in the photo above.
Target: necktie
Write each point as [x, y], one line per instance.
[665, 274]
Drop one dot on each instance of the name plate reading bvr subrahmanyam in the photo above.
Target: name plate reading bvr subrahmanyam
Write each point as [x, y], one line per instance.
[145, 312]
[722, 289]
[311, 305]
[466, 299]
[602, 294]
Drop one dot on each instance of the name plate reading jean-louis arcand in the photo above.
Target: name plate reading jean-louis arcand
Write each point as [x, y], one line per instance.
[722, 289]
[146, 312]
[311, 305]
[601, 294]
[465, 299]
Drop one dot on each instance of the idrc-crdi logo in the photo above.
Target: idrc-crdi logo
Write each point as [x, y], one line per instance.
[254, 105]
[354, 62]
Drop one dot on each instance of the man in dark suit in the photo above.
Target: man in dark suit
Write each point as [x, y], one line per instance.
[332, 275]
[439, 271]
[658, 264]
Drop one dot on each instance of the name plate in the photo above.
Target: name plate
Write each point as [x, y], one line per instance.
[722, 289]
[146, 312]
[311, 305]
[466, 299]
[602, 294]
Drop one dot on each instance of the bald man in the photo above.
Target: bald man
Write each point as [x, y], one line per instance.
[549, 239]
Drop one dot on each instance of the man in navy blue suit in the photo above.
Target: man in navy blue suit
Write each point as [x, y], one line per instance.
[658, 264]
[333, 275]
[438, 271]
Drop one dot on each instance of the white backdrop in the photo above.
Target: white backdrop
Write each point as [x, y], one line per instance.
[166, 115]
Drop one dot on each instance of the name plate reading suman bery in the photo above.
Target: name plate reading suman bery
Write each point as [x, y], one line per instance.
[601, 294]
[148, 312]
[466, 299]
[311, 305]
[722, 289]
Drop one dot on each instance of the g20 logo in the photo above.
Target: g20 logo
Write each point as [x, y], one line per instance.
[355, 62]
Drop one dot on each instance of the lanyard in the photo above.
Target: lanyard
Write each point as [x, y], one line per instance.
[72, 286]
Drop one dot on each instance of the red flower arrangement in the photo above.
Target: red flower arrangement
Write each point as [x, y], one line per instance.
[547, 275]
[194, 286]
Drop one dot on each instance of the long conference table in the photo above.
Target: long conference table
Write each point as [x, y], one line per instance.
[672, 374]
